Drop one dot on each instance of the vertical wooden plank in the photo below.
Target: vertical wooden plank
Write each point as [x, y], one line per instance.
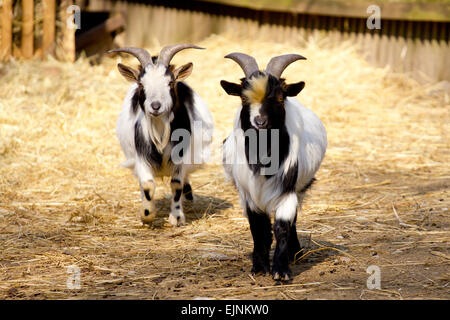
[6, 22]
[68, 32]
[27, 28]
[48, 38]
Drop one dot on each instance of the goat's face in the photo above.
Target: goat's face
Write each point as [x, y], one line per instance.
[263, 98]
[156, 85]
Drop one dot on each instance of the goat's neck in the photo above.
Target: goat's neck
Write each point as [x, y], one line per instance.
[159, 130]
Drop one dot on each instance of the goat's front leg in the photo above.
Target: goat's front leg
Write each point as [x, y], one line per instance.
[260, 227]
[187, 190]
[284, 217]
[148, 186]
[176, 216]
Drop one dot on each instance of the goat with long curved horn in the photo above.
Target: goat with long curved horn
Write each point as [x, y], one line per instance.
[246, 62]
[273, 170]
[277, 65]
[142, 55]
[167, 53]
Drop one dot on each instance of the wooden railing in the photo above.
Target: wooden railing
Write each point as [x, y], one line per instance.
[26, 47]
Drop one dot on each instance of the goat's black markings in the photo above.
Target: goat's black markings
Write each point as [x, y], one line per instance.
[177, 207]
[187, 191]
[294, 248]
[289, 180]
[183, 105]
[147, 195]
[175, 181]
[260, 228]
[281, 254]
[146, 149]
[146, 212]
[177, 195]
[135, 101]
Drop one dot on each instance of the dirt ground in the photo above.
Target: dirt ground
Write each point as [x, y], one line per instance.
[381, 196]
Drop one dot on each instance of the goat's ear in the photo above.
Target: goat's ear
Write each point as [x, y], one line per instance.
[183, 72]
[233, 89]
[293, 89]
[129, 73]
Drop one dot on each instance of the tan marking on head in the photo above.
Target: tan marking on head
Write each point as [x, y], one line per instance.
[257, 90]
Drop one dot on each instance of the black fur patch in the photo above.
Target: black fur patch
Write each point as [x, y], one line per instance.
[175, 181]
[146, 149]
[290, 179]
[177, 207]
[184, 99]
[135, 101]
[261, 230]
[177, 195]
[147, 195]
[281, 254]
[294, 248]
[187, 191]
[146, 212]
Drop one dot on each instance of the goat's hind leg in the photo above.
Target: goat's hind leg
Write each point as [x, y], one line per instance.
[261, 230]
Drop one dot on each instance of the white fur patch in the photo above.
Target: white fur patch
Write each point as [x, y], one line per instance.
[156, 87]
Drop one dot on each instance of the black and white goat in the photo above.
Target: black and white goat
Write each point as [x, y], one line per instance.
[160, 110]
[295, 141]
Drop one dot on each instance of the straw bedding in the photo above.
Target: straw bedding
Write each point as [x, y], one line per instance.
[381, 196]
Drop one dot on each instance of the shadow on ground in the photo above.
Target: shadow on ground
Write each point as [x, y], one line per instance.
[193, 210]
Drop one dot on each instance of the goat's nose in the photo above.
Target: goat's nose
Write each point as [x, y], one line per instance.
[155, 105]
[260, 121]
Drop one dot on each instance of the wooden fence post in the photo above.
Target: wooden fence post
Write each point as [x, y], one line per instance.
[48, 38]
[27, 28]
[6, 22]
[68, 32]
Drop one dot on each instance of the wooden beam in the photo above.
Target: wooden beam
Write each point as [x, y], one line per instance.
[27, 28]
[401, 10]
[6, 22]
[48, 39]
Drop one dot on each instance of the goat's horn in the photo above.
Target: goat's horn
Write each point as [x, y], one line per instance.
[246, 62]
[167, 53]
[277, 65]
[142, 55]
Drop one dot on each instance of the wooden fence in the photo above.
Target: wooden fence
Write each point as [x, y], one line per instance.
[40, 33]
[414, 38]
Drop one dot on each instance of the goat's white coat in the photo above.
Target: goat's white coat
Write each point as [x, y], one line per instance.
[201, 137]
[201, 123]
[308, 142]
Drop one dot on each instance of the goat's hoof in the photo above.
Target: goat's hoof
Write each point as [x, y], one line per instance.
[148, 213]
[281, 275]
[264, 269]
[177, 221]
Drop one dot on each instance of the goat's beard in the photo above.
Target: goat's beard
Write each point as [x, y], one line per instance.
[160, 131]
